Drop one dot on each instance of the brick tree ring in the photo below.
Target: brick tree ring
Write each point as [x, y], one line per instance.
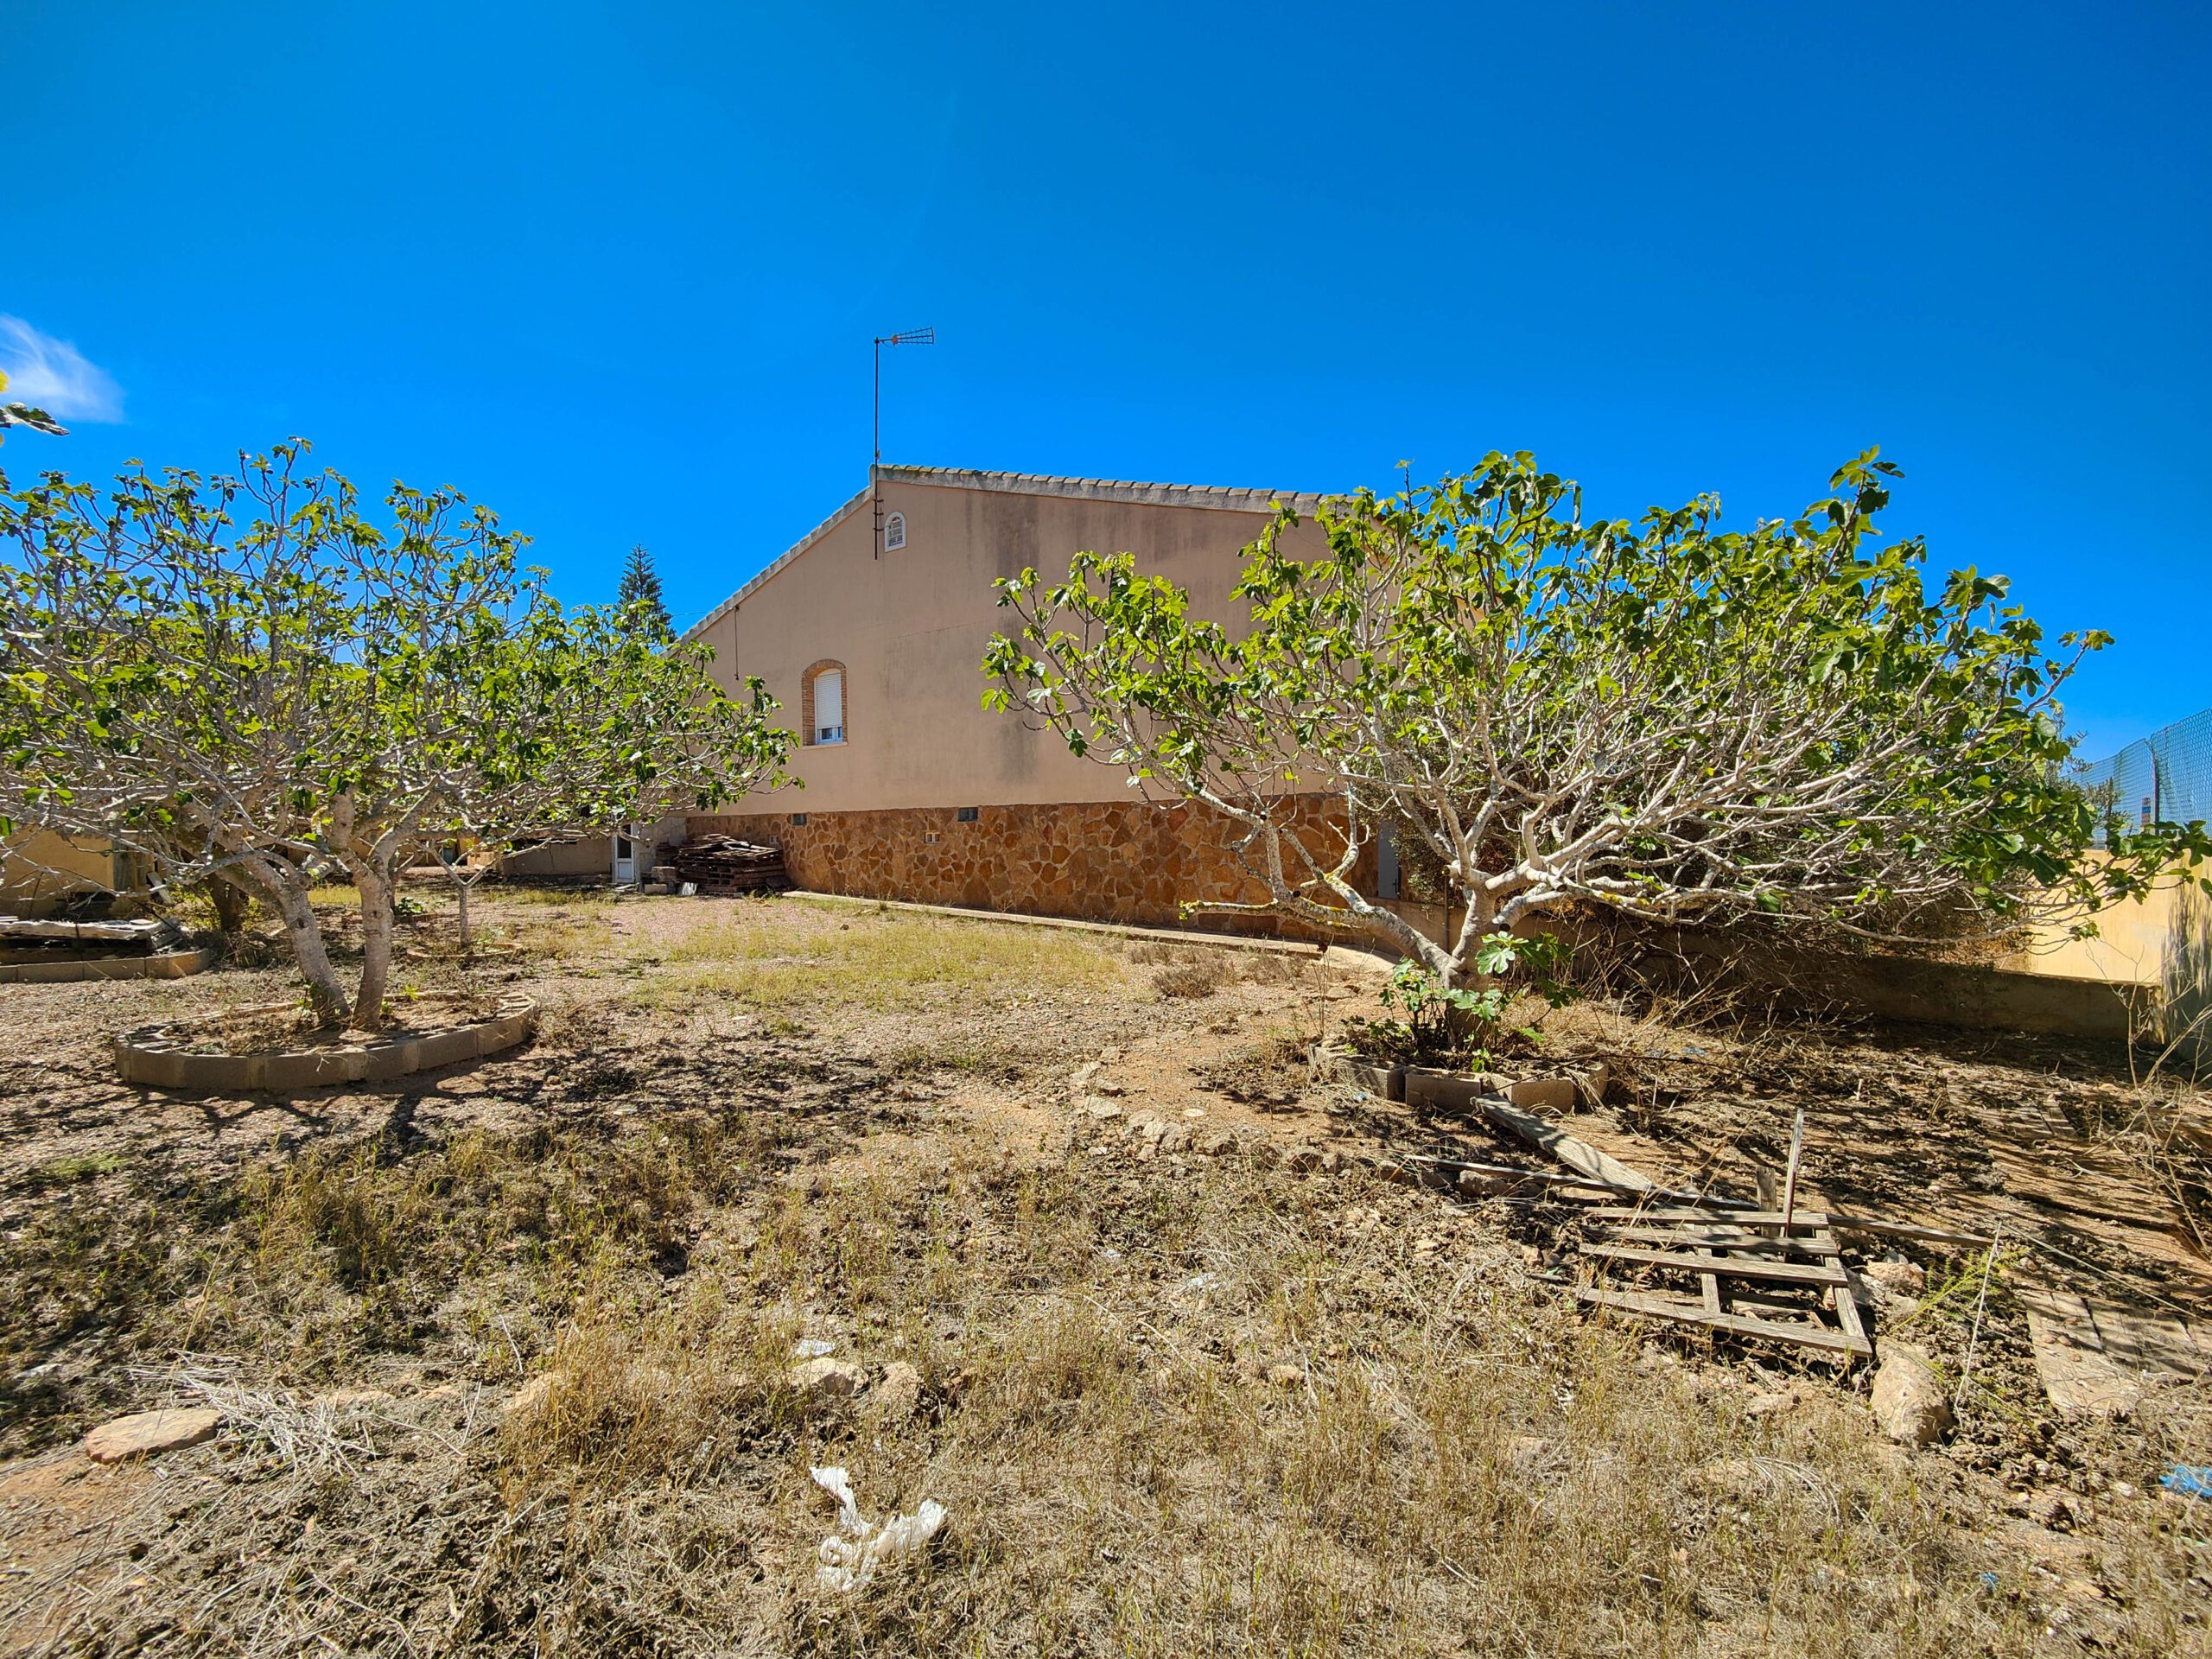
[161, 1055]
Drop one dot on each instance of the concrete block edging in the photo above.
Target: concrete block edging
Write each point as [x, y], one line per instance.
[156, 1056]
[1425, 1087]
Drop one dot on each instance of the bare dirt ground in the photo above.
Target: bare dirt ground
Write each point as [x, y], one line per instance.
[504, 1355]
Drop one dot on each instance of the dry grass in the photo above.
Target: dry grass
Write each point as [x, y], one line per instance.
[1195, 970]
[784, 954]
[1194, 978]
[1175, 1407]
[1218, 1412]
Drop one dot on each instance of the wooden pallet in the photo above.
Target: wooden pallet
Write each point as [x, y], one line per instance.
[142, 931]
[1769, 1269]
[1755, 1276]
[723, 864]
[1879, 1226]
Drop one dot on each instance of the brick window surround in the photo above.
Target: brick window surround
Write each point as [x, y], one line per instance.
[826, 665]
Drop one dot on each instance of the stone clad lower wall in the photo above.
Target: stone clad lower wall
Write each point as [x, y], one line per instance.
[1094, 861]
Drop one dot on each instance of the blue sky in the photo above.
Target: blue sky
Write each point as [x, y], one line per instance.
[614, 269]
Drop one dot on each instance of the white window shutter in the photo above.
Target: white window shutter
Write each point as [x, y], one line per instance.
[828, 707]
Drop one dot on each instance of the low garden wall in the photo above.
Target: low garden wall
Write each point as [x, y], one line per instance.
[1125, 861]
[1770, 971]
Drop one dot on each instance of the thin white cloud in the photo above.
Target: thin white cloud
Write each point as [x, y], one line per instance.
[52, 375]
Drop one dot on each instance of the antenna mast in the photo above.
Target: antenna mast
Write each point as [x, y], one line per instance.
[904, 337]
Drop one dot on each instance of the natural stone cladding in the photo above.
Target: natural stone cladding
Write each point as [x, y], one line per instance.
[1094, 860]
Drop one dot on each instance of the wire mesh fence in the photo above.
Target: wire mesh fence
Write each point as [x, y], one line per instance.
[2165, 777]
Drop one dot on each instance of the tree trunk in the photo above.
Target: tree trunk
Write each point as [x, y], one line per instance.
[1478, 921]
[462, 881]
[326, 993]
[374, 880]
[231, 900]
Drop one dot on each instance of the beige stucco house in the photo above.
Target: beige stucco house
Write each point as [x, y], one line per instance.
[872, 641]
[42, 871]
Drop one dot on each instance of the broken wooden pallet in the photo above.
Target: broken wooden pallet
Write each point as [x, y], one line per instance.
[724, 864]
[1805, 1218]
[1786, 1264]
[1764, 1268]
[1737, 1270]
[1717, 1265]
[142, 931]
[1801, 1333]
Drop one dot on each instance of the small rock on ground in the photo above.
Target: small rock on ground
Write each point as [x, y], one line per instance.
[1908, 1401]
[145, 1433]
[1898, 1276]
[1772, 1404]
[827, 1379]
[899, 1393]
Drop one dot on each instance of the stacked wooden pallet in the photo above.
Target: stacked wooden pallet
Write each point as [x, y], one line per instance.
[725, 864]
[109, 937]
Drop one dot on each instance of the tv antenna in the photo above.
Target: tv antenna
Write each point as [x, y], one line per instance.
[904, 337]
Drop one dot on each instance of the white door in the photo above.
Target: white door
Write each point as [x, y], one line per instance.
[626, 859]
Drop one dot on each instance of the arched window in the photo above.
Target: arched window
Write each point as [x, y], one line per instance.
[821, 704]
[894, 533]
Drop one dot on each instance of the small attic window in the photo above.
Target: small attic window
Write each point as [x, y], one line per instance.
[894, 533]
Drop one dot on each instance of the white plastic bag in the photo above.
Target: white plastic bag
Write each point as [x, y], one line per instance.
[849, 1561]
